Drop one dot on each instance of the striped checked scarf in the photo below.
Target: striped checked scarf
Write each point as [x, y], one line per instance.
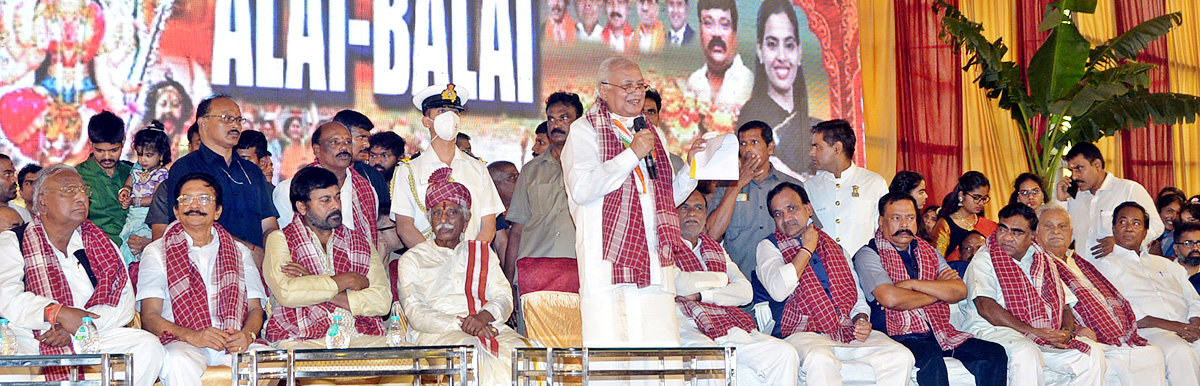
[1100, 307]
[917, 320]
[714, 321]
[623, 233]
[808, 308]
[1038, 303]
[364, 204]
[351, 253]
[44, 277]
[479, 253]
[189, 293]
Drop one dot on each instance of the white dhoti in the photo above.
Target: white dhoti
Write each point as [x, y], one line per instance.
[1031, 364]
[1182, 357]
[761, 359]
[492, 370]
[185, 363]
[627, 316]
[1134, 365]
[821, 358]
[147, 352]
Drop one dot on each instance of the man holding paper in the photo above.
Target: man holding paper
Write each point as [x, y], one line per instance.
[737, 218]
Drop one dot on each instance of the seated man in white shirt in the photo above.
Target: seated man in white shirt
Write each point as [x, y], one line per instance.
[1165, 303]
[61, 268]
[318, 268]
[212, 306]
[1103, 314]
[824, 316]
[710, 287]
[1015, 297]
[433, 276]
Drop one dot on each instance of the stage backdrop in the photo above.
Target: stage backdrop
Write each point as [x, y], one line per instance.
[294, 63]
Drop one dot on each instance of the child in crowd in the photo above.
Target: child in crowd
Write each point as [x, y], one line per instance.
[153, 154]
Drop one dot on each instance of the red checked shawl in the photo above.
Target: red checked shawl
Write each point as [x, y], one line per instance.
[189, 293]
[351, 253]
[917, 320]
[808, 308]
[44, 277]
[713, 320]
[623, 233]
[1100, 307]
[1038, 303]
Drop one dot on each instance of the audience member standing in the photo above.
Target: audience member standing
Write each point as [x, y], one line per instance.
[105, 173]
[1091, 196]
[845, 197]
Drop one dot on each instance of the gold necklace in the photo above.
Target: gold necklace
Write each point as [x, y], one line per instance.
[963, 219]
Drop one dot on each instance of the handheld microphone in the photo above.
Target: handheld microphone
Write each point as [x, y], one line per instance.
[639, 124]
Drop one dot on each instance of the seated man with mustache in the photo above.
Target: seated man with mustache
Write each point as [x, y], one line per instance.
[317, 268]
[909, 286]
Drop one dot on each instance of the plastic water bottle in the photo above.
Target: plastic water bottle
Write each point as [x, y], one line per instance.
[8, 340]
[395, 332]
[87, 339]
[335, 338]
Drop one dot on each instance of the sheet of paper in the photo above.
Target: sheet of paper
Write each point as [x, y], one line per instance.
[718, 161]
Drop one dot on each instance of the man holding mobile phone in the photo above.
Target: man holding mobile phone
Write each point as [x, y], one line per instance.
[1098, 194]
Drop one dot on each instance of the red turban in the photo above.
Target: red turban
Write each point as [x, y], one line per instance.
[442, 189]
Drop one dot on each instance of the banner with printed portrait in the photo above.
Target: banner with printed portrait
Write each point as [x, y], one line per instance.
[294, 63]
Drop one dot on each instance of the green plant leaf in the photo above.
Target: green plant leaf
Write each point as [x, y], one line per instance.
[1081, 6]
[1131, 73]
[1058, 65]
[1135, 109]
[1133, 41]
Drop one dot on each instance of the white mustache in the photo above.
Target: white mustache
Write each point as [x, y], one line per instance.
[441, 227]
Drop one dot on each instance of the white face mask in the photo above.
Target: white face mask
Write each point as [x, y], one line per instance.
[446, 125]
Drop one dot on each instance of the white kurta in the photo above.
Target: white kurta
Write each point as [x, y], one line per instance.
[432, 281]
[1028, 362]
[1092, 215]
[619, 315]
[282, 197]
[184, 362]
[1160, 288]
[761, 358]
[466, 170]
[821, 358]
[1127, 365]
[25, 309]
[849, 206]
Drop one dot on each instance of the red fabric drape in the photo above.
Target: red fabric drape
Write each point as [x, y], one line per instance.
[1029, 16]
[929, 99]
[1148, 151]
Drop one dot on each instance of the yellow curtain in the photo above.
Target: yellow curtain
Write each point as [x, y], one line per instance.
[991, 140]
[1183, 52]
[1097, 28]
[877, 55]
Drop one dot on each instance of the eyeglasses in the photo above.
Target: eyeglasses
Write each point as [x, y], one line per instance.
[1189, 243]
[203, 199]
[228, 119]
[562, 118]
[979, 198]
[73, 190]
[630, 88]
[1027, 193]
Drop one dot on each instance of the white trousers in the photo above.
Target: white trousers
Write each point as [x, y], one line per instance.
[493, 370]
[761, 359]
[1031, 364]
[1134, 366]
[1183, 358]
[186, 363]
[821, 358]
[147, 351]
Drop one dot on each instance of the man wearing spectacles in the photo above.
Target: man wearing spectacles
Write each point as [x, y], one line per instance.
[199, 288]
[1164, 302]
[60, 268]
[626, 285]
[106, 173]
[249, 213]
[1095, 194]
[723, 82]
[1187, 250]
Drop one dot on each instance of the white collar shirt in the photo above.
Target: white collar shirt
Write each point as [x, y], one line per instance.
[152, 275]
[414, 176]
[1154, 285]
[1092, 214]
[981, 281]
[848, 207]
